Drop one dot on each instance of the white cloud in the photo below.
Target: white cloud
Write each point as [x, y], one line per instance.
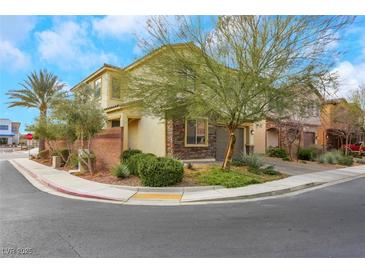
[16, 28]
[68, 45]
[351, 76]
[12, 57]
[119, 26]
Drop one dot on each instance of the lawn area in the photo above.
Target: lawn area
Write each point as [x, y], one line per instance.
[236, 177]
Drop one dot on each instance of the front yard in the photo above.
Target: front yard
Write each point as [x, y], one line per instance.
[198, 175]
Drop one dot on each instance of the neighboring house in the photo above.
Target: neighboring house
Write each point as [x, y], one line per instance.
[184, 139]
[270, 133]
[9, 132]
[329, 136]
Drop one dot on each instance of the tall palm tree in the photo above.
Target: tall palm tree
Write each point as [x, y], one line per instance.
[40, 90]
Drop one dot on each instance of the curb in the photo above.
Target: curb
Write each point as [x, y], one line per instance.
[181, 201]
[260, 195]
[62, 189]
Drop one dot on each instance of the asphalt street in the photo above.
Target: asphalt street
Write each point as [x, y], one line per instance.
[327, 222]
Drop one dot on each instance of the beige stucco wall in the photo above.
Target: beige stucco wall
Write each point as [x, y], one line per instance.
[272, 138]
[133, 134]
[143, 132]
[153, 135]
[260, 137]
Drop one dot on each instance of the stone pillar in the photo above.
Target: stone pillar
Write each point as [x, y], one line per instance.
[124, 124]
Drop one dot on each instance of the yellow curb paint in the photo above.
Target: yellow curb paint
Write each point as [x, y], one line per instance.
[157, 196]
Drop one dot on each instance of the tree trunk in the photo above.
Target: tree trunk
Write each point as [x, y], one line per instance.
[230, 148]
[299, 141]
[43, 119]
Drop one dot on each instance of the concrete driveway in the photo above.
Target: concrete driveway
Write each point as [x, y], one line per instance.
[297, 168]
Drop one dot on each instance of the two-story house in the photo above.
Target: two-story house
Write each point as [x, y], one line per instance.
[9, 132]
[275, 132]
[193, 139]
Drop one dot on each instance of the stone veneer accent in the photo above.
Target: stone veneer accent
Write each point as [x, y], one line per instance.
[175, 142]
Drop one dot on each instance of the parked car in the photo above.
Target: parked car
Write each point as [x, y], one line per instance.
[358, 147]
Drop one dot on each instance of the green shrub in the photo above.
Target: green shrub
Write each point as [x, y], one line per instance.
[346, 160]
[237, 162]
[286, 158]
[277, 152]
[253, 161]
[73, 162]
[63, 153]
[121, 171]
[134, 161]
[217, 176]
[335, 157]
[43, 154]
[129, 153]
[161, 171]
[270, 170]
[307, 154]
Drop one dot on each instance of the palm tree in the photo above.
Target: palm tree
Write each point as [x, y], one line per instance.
[40, 90]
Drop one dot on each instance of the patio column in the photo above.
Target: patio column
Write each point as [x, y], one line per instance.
[124, 124]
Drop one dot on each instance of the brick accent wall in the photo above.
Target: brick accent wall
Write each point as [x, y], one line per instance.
[175, 142]
[107, 146]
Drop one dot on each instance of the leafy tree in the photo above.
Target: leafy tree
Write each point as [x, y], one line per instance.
[300, 110]
[40, 90]
[83, 119]
[348, 120]
[358, 97]
[236, 71]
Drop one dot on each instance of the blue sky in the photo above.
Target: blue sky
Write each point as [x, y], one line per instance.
[74, 46]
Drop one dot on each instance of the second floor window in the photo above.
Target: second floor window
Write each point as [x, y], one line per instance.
[4, 127]
[97, 87]
[115, 88]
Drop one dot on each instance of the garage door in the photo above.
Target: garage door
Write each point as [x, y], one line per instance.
[222, 141]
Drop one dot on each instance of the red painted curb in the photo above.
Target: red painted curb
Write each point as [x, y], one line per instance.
[62, 189]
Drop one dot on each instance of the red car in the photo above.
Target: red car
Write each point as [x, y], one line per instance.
[358, 147]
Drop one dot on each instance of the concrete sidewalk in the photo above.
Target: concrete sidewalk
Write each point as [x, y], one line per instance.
[63, 182]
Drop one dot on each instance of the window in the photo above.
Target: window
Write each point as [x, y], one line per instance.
[115, 88]
[196, 132]
[97, 87]
[115, 123]
[4, 127]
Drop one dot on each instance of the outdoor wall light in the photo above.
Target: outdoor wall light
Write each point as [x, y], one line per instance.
[252, 132]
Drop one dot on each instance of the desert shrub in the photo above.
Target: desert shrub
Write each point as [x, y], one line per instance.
[359, 160]
[121, 171]
[161, 171]
[335, 157]
[43, 154]
[307, 154]
[237, 162]
[277, 152]
[134, 161]
[286, 158]
[253, 161]
[269, 170]
[229, 179]
[63, 153]
[128, 153]
[73, 162]
[346, 160]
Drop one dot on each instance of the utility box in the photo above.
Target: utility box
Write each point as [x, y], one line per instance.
[56, 161]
